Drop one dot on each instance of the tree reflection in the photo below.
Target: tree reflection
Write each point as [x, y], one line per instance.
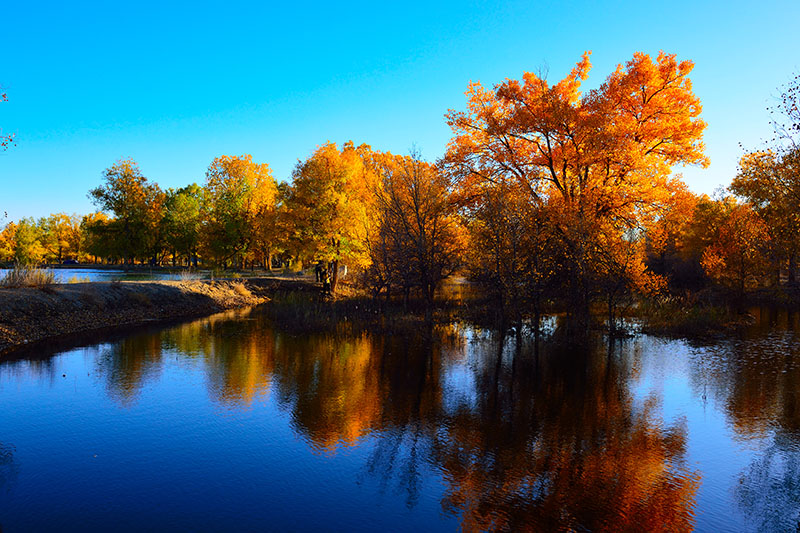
[524, 436]
[128, 364]
[757, 377]
[557, 444]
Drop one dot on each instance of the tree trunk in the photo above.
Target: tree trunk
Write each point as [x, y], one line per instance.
[335, 275]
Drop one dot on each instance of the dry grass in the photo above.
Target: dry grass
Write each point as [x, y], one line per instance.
[241, 290]
[22, 276]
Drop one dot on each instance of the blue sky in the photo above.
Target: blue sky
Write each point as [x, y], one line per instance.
[175, 85]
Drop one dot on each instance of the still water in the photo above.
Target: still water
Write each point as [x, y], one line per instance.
[234, 423]
[65, 275]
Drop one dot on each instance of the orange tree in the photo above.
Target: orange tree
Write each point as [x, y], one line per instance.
[601, 160]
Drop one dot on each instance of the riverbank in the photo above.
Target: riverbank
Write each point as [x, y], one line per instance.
[32, 315]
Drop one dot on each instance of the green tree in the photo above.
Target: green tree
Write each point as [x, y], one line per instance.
[182, 219]
[28, 249]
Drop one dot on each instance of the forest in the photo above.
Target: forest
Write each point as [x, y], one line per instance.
[546, 196]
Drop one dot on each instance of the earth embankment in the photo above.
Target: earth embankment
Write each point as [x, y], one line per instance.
[32, 315]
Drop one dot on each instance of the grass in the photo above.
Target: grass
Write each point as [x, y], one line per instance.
[684, 318]
[24, 276]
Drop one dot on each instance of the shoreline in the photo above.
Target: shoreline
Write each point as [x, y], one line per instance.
[30, 317]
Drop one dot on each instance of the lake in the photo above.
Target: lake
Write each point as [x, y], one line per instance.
[65, 275]
[237, 423]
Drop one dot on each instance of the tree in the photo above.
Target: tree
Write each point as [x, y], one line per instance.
[8, 242]
[328, 204]
[99, 238]
[28, 249]
[136, 205]
[237, 190]
[601, 160]
[770, 182]
[421, 238]
[61, 236]
[737, 257]
[182, 219]
[509, 251]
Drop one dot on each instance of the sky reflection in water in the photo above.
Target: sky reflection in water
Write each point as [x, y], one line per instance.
[233, 422]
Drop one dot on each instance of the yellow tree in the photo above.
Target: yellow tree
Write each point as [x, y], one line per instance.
[328, 204]
[8, 242]
[509, 251]
[61, 236]
[28, 249]
[599, 159]
[237, 191]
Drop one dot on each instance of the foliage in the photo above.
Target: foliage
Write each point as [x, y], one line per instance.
[770, 182]
[182, 221]
[417, 240]
[737, 257]
[137, 207]
[597, 163]
[237, 191]
[328, 206]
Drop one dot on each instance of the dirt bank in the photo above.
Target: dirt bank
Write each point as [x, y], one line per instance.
[30, 315]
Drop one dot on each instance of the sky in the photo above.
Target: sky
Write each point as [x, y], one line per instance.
[175, 85]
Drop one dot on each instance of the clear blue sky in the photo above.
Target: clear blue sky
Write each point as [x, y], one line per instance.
[174, 86]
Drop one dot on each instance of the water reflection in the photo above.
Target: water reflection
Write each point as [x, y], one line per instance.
[8, 467]
[756, 376]
[448, 423]
[524, 436]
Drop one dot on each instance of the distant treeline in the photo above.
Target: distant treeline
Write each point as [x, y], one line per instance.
[544, 194]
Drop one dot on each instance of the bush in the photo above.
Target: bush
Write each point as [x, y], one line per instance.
[23, 276]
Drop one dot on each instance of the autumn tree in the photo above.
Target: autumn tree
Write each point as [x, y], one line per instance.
[237, 191]
[61, 236]
[99, 237]
[8, 242]
[600, 160]
[509, 252]
[137, 207]
[769, 179]
[418, 230]
[327, 206]
[737, 256]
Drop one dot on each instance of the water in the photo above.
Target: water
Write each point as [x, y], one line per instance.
[64, 275]
[235, 423]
